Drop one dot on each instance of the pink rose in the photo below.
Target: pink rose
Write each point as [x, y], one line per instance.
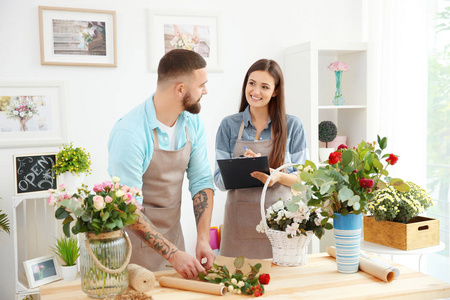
[98, 188]
[108, 199]
[62, 187]
[65, 196]
[99, 202]
[125, 189]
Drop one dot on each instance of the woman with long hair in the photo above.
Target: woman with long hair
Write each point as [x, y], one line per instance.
[261, 127]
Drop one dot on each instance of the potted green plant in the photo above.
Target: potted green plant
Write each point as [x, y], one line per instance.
[69, 251]
[4, 222]
[327, 133]
[395, 220]
[72, 164]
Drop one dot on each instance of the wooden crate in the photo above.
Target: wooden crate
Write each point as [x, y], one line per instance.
[419, 232]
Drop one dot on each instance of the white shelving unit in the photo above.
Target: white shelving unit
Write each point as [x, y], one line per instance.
[310, 88]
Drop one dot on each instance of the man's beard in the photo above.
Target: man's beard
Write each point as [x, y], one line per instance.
[193, 108]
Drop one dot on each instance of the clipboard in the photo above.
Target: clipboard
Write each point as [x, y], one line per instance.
[236, 171]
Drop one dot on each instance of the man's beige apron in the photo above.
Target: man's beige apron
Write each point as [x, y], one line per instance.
[242, 210]
[162, 186]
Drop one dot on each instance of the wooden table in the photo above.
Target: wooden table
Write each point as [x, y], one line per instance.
[318, 279]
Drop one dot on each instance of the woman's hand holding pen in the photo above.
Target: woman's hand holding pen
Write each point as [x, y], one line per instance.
[250, 153]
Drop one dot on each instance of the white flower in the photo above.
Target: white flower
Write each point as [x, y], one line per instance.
[260, 227]
[278, 205]
[308, 169]
[15, 112]
[115, 179]
[240, 284]
[234, 281]
[292, 229]
[119, 193]
[30, 114]
[279, 215]
[230, 288]
[22, 114]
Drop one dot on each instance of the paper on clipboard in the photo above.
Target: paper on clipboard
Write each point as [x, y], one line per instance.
[236, 171]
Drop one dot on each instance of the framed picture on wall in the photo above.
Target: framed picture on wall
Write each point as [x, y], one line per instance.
[32, 113]
[42, 270]
[77, 37]
[196, 31]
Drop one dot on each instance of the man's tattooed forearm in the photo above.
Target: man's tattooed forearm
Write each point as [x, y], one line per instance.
[200, 205]
[146, 231]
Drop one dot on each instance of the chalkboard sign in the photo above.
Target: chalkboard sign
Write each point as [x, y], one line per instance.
[33, 173]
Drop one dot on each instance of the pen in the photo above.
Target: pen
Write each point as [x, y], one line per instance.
[245, 148]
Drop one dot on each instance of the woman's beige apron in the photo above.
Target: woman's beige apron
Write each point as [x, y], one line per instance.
[242, 210]
[162, 186]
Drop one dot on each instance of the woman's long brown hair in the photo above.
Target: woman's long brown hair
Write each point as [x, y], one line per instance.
[277, 111]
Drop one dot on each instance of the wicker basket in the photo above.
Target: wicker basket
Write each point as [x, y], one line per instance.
[286, 251]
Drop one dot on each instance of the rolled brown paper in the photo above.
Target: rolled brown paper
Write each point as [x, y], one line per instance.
[140, 279]
[192, 285]
[381, 271]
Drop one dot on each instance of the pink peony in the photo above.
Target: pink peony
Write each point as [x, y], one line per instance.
[98, 188]
[107, 185]
[338, 66]
[108, 199]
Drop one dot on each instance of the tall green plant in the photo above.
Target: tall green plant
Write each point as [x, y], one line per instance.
[67, 249]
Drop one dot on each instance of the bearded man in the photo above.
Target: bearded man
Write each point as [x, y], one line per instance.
[151, 148]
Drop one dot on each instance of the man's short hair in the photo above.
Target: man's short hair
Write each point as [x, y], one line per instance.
[179, 62]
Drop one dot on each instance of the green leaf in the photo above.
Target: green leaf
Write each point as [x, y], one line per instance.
[306, 176]
[119, 223]
[201, 276]
[61, 213]
[346, 157]
[344, 211]
[66, 229]
[239, 262]
[67, 220]
[110, 225]
[348, 169]
[383, 143]
[296, 198]
[324, 188]
[297, 187]
[105, 216]
[345, 193]
[399, 185]
[377, 164]
[291, 206]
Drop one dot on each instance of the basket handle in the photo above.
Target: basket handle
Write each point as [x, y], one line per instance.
[263, 194]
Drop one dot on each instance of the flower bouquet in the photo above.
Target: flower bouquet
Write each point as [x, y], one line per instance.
[22, 109]
[101, 215]
[238, 282]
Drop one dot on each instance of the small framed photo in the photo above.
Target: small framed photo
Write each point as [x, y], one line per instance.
[32, 113]
[77, 37]
[196, 31]
[42, 270]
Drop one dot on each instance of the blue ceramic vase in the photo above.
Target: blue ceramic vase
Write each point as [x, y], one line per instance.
[338, 99]
[347, 235]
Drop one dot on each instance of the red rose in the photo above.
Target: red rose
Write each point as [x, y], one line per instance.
[392, 159]
[342, 146]
[264, 278]
[366, 183]
[334, 158]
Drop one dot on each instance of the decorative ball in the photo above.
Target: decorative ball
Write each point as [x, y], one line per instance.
[327, 131]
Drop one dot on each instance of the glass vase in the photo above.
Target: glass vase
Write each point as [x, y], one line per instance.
[338, 99]
[103, 263]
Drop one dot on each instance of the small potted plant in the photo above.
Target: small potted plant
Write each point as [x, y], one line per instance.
[327, 133]
[72, 164]
[395, 220]
[69, 251]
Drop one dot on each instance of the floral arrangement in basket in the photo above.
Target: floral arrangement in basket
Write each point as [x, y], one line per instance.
[350, 178]
[72, 159]
[111, 207]
[238, 282]
[295, 218]
[389, 204]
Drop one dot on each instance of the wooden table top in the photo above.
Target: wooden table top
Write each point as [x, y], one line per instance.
[318, 279]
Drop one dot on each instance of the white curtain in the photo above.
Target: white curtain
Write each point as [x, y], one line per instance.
[398, 81]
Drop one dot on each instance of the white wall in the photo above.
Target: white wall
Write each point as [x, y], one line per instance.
[97, 96]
